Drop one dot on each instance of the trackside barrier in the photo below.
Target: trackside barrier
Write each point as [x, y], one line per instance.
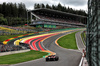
[64, 29]
[7, 48]
[24, 45]
[81, 62]
[13, 52]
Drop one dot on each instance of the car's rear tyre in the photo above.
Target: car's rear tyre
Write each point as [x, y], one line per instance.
[56, 58]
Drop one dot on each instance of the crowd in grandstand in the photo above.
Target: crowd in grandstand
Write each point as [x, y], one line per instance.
[58, 19]
[17, 28]
[9, 30]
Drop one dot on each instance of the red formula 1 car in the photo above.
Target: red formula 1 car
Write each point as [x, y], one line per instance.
[52, 58]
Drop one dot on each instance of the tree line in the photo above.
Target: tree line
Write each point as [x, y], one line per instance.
[16, 14]
[59, 7]
[13, 14]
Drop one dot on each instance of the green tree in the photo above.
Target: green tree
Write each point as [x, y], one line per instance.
[4, 8]
[38, 6]
[3, 21]
[1, 15]
[42, 5]
[35, 6]
[47, 6]
[59, 7]
[0, 8]
[21, 10]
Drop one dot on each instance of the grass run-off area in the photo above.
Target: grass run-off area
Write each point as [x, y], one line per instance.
[83, 36]
[5, 37]
[68, 41]
[21, 57]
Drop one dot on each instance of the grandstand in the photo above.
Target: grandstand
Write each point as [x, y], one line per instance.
[48, 18]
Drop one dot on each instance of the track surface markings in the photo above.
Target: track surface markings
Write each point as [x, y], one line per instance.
[67, 57]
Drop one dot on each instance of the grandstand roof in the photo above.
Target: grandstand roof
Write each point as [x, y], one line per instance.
[58, 12]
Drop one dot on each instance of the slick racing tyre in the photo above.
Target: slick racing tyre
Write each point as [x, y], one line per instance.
[56, 58]
[47, 59]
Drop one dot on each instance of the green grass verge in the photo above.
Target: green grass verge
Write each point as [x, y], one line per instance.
[68, 41]
[83, 36]
[21, 57]
[5, 37]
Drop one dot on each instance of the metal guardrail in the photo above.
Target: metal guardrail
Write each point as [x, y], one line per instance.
[7, 48]
[13, 52]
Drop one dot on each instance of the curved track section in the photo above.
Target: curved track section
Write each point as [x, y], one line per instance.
[67, 57]
[35, 42]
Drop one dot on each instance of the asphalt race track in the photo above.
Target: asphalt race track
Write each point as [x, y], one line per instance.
[66, 57]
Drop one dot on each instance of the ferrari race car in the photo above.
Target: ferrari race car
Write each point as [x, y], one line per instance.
[52, 58]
